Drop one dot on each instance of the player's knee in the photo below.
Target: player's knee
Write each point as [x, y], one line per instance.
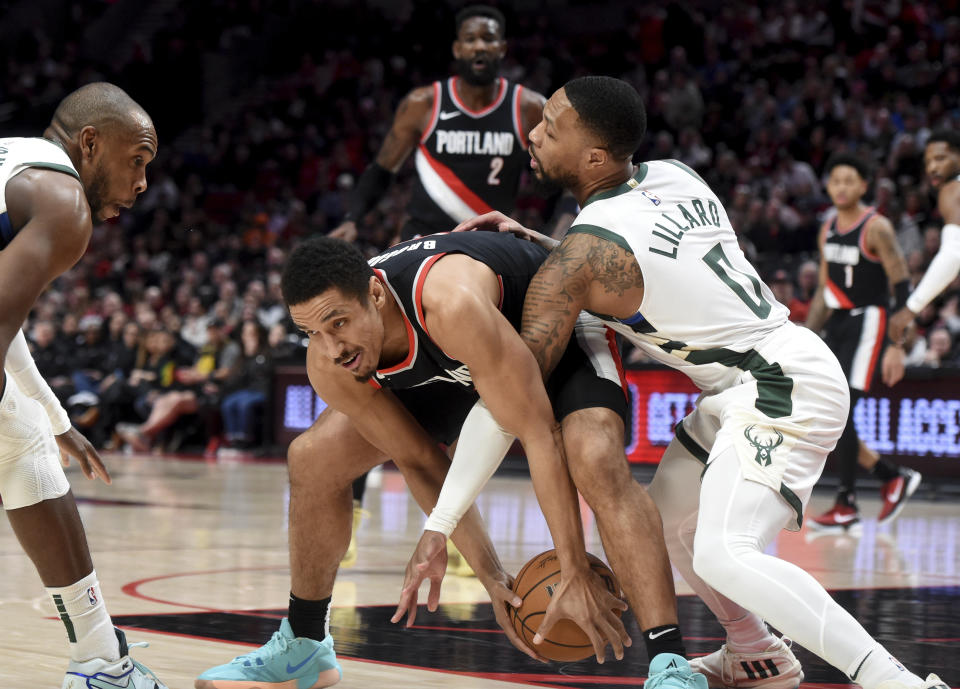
[593, 445]
[720, 560]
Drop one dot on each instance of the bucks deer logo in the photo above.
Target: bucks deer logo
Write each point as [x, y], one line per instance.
[764, 447]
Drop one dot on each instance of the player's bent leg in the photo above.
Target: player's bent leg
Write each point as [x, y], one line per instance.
[738, 519]
[323, 463]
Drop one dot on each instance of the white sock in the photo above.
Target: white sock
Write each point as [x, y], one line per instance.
[876, 665]
[89, 627]
[748, 634]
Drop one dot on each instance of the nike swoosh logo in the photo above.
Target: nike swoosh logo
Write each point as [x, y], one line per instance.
[896, 495]
[853, 677]
[293, 668]
[844, 518]
[653, 636]
[449, 115]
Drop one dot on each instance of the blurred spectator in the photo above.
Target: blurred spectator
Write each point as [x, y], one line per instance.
[247, 386]
[781, 284]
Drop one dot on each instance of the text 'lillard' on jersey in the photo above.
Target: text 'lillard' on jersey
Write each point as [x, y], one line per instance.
[468, 162]
[855, 277]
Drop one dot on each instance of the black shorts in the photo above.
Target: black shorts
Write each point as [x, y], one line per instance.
[858, 338]
[589, 375]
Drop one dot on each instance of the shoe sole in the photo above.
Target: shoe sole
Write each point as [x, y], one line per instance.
[327, 679]
[908, 490]
[852, 527]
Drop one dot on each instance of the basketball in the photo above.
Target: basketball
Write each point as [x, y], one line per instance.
[535, 585]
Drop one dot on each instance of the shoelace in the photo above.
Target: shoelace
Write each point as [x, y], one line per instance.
[144, 670]
[277, 644]
[664, 676]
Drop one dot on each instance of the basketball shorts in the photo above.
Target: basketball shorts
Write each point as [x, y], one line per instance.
[30, 468]
[588, 375]
[858, 338]
[805, 400]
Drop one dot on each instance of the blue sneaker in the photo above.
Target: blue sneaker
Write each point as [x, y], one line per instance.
[284, 662]
[668, 670]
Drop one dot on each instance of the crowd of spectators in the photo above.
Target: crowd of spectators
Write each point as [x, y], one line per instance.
[753, 95]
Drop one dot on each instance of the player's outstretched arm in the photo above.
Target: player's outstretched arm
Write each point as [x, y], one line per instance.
[408, 125]
[509, 382]
[495, 221]
[943, 268]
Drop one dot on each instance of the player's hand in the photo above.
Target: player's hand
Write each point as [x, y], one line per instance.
[892, 367]
[346, 230]
[899, 322]
[583, 598]
[74, 444]
[429, 561]
[495, 221]
[500, 589]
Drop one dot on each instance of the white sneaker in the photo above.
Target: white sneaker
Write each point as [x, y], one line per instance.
[932, 682]
[125, 673]
[774, 668]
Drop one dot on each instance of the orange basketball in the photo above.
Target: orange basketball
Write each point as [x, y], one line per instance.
[535, 585]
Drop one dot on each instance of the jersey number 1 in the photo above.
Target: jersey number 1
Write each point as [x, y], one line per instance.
[741, 283]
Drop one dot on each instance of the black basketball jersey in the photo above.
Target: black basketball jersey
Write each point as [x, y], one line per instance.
[403, 270]
[855, 277]
[468, 162]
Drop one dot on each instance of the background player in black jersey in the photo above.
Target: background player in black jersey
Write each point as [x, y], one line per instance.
[469, 133]
[859, 262]
[941, 158]
[470, 137]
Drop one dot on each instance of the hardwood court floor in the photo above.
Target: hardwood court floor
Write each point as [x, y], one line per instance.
[192, 557]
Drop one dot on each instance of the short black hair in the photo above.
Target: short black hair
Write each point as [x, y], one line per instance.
[471, 11]
[318, 264]
[948, 136]
[843, 158]
[612, 109]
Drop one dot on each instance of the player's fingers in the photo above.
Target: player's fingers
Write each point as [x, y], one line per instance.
[597, 641]
[433, 598]
[546, 624]
[612, 629]
[401, 607]
[502, 615]
[97, 467]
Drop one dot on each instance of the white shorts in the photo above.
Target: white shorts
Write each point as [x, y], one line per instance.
[804, 406]
[30, 469]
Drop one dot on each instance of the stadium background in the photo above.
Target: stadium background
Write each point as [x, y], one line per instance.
[268, 111]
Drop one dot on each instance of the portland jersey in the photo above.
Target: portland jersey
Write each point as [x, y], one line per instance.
[18, 154]
[403, 270]
[855, 277]
[468, 162]
[704, 307]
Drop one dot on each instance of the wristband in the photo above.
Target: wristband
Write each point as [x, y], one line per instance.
[901, 292]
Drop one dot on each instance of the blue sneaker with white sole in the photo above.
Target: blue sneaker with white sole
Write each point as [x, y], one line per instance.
[670, 671]
[284, 662]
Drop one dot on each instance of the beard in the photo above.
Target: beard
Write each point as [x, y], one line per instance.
[547, 185]
[486, 76]
[96, 191]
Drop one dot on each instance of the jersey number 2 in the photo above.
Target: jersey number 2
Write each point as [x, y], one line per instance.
[496, 165]
[742, 284]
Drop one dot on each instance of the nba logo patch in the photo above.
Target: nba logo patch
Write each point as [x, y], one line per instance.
[92, 595]
[652, 198]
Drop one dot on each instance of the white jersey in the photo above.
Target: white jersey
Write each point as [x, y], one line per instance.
[705, 309]
[18, 154]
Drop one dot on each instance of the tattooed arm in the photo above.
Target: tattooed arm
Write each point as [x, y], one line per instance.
[584, 272]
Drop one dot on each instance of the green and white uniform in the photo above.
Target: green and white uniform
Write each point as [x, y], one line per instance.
[771, 388]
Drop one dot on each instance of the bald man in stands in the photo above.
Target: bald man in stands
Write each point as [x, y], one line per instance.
[90, 163]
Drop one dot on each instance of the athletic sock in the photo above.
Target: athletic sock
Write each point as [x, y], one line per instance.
[309, 619]
[885, 470]
[876, 665]
[847, 498]
[664, 639]
[748, 634]
[89, 627]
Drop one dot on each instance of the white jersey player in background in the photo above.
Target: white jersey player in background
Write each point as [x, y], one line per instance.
[941, 158]
[654, 255]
